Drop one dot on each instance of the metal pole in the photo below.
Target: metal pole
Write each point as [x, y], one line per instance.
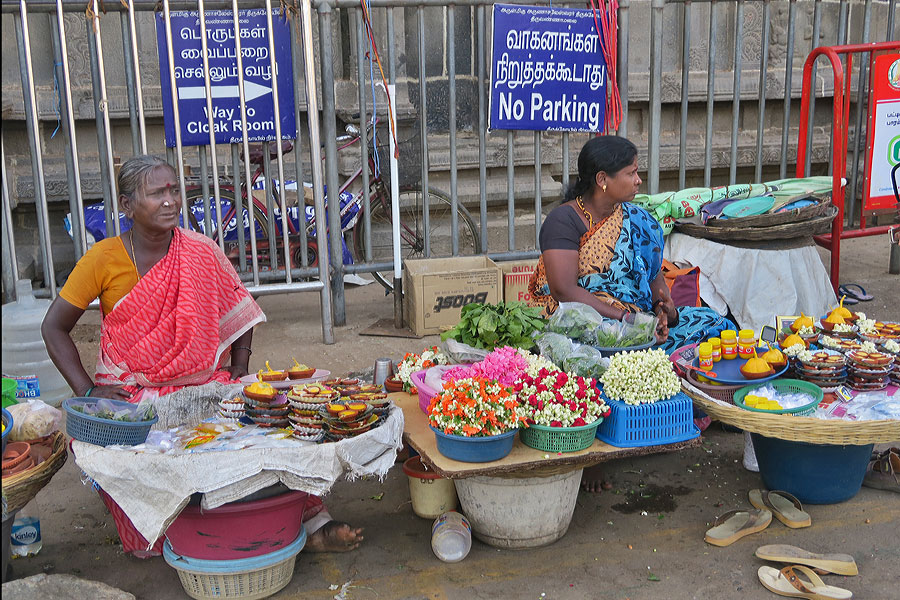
[331, 175]
[788, 92]
[862, 84]
[451, 102]
[312, 113]
[361, 42]
[736, 88]
[279, 153]
[423, 130]
[239, 207]
[179, 154]
[763, 71]
[37, 159]
[10, 264]
[656, 26]
[106, 169]
[510, 190]
[212, 139]
[622, 66]
[136, 69]
[297, 56]
[480, 57]
[76, 204]
[129, 85]
[103, 107]
[537, 189]
[685, 90]
[710, 93]
[248, 177]
[813, 44]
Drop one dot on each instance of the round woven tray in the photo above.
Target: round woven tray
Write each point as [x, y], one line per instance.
[724, 233]
[20, 488]
[820, 208]
[797, 429]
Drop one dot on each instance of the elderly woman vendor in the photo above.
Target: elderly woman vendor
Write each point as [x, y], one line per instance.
[175, 315]
[600, 250]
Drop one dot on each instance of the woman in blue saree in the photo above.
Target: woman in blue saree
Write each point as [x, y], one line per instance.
[599, 249]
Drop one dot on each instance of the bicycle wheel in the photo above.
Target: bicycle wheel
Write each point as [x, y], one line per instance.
[195, 208]
[412, 229]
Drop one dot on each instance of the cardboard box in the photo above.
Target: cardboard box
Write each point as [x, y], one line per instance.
[435, 290]
[516, 275]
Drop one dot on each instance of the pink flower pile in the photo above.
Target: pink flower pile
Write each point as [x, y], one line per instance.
[504, 365]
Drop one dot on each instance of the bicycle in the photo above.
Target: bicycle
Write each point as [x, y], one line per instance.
[411, 200]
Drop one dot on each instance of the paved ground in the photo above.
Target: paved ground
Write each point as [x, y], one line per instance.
[612, 550]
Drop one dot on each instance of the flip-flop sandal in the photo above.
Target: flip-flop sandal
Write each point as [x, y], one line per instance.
[735, 524]
[787, 582]
[854, 290]
[883, 471]
[839, 564]
[785, 507]
[848, 300]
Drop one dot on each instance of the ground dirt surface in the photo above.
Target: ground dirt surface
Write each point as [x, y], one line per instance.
[641, 540]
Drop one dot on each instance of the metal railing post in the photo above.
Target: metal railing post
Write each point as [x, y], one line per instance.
[656, 33]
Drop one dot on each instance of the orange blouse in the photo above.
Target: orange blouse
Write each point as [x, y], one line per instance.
[105, 271]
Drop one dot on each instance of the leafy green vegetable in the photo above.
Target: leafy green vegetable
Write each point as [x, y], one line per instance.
[489, 326]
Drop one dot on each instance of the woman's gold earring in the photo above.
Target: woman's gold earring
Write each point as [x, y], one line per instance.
[604, 187]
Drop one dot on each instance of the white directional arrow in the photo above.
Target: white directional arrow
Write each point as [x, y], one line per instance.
[252, 91]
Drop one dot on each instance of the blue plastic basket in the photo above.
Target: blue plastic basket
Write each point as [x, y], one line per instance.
[104, 432]
[663, 422]
[474, 449]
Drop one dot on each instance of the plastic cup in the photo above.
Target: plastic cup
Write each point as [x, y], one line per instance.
[451, 537]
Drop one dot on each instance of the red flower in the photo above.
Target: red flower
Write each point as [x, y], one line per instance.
[571, 406]
[580, 394]
[532, 400]
[543, 373]
[578, 422]
[561, 379]
[559, 398]
[608, 411]
[518, 387]
[540, 405]
[555, 424]
[540, 388]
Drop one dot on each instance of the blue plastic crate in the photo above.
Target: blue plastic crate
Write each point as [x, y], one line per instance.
[663, 422]
[104, 432]
[474, 449]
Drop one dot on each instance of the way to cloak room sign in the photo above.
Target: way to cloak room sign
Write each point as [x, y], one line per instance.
[223, 75]
[548, 72]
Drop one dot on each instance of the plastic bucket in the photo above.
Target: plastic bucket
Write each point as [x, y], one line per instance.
[431, 494]
[238, 530]
[814, 473]
[475, 449]
[520, 512]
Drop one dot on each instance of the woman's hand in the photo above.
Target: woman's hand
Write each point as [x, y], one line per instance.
[662, 325]
[114, 392]
[237, 371]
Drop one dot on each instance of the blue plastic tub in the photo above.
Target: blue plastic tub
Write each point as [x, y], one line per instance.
[663, 422]
[234, 565]
[475, 449]
[814, 473]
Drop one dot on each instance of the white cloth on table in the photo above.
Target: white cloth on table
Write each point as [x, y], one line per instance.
[152, 488]
[755, 284]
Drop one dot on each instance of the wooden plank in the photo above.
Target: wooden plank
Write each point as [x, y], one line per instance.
[522, 461]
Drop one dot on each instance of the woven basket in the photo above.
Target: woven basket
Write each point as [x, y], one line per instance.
[20, 488]
[797, 429]
[822, 207]
[725, 393]
[814, 226]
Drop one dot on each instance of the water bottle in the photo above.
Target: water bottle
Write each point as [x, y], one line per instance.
[25, 539]
[451, 537]
[23, 350]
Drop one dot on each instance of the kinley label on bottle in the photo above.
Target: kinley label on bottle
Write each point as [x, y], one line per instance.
[26, 533]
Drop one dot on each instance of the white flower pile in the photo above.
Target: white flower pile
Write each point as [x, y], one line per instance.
[640, 377]
[868, 346]
[861, 316]
[844, 327]
[892, 346]
[826, 341]
[866, 326]
[413, 363]
[797, 349]
[806, 331]
[536, 362]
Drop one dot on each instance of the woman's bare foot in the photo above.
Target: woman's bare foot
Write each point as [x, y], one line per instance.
[335, 536]
[592, 480]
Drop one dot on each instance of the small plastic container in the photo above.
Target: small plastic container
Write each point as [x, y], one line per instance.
[746, 343]
[716, 344]
[705, 356]
[451, 537]
[729, 344]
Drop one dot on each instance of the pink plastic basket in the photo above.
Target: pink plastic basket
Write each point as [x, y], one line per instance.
[238, 529]
[425, 392]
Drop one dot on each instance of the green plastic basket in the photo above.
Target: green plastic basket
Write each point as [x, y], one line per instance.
[785, 386]
[559, 439]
